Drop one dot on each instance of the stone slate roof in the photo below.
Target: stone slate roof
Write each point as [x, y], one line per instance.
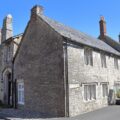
[111, 42]
[12, 38]
[78, 36]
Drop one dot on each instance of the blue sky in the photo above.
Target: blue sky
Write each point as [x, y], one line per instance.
[80, 14]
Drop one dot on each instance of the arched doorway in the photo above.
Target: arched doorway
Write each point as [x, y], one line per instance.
[7, 79]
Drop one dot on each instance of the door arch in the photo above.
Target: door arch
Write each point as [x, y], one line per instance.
[7, 80]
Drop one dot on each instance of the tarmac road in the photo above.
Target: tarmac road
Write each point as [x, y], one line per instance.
[106, 113]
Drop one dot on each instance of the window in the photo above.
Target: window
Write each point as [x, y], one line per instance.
[103, 60]
[7, 55]
[116, 63]
[88, 56]
[104, 90]
[21, 93]
[89, 92]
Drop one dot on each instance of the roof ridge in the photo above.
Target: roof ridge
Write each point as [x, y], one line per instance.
[78, 36]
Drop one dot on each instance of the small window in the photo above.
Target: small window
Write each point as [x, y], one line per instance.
[116, 63]
[103, 60]
[104, 90]
[21, 93]
[88, 57]
[8, 54]
[89, 92]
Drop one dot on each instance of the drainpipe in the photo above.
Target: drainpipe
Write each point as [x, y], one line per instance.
[14, 94]
[66, 87]
[12, 86]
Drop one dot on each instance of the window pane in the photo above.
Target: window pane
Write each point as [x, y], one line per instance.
[20, 93]
[105, 90]
[85, 92]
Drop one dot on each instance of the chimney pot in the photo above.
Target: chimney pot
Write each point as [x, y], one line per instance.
[37, 10]
[7, 29]
[102, 27]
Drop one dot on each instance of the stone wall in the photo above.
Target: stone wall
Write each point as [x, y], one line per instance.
[80, 73]
[39, 63]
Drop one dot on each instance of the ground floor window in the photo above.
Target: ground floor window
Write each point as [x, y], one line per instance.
[21, 93]
[89, 92]
[104, 89]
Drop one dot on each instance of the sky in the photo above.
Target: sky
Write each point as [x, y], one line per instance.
[82, 15]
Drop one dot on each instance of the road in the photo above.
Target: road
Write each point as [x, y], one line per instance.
[107, 113]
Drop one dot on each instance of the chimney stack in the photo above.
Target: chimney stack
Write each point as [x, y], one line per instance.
[36, 10]
[7, 30]
[102, 24]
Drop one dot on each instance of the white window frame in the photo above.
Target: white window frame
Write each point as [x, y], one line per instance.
[104, 90]
[88, 56]
[103, 60]
[20, 91]
[116, 65]
[89, 92]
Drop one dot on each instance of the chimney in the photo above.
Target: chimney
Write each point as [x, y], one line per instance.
[102, 27]
[36, 10]
[7, 30]
[119, 37]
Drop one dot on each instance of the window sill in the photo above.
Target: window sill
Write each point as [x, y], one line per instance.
[87, 101]
[20, 103]
[105, 97]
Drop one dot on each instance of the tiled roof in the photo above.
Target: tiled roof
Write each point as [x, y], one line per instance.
[111, 42]
[78, 36]
[12, 38]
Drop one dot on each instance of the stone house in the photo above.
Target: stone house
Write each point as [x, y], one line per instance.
[57, 70]
[63, 72]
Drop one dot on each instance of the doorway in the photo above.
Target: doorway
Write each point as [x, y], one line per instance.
[7, 78]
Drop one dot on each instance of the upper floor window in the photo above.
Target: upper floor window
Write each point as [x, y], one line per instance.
[7, 54]
[88, 56]
[116, 63]
[103, 60]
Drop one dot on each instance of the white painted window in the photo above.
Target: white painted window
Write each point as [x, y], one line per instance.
[88, 56]
[89, 92]
[105, 90]
[116, 63]
[103, 60]
[21, 93]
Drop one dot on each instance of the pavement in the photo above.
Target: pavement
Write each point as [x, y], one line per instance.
[106, 113]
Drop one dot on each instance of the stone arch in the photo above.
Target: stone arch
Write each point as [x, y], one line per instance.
[7, 81]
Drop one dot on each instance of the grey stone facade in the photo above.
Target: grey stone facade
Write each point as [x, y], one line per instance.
[45, 81]
[80, 74]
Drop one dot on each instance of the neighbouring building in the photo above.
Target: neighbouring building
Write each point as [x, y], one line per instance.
[8, 48]
[104, 37]
[59, 71]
